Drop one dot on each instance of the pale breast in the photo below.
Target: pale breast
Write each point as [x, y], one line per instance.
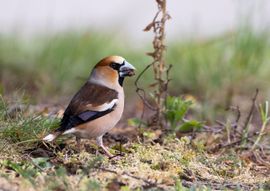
[103, 124]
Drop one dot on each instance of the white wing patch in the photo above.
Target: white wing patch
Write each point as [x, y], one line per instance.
[69, 131]
[102, 107]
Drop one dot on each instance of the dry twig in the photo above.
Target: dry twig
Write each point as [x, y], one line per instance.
[247, 121]
[147, 182]
[161, 70]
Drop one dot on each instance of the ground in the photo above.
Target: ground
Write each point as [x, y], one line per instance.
[174, 165]
[167, 162]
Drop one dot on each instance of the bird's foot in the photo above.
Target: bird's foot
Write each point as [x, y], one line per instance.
[107, 152]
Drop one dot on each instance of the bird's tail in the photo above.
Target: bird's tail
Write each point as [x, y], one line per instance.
[51, 136]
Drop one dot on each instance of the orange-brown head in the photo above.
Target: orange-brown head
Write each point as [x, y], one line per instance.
[112, 70]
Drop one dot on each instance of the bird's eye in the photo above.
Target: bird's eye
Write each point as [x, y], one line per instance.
[114, 65]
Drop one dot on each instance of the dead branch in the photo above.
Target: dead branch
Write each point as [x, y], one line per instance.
[233, 143]
[160, 69]
[237, 109]
[149, 183]
[245, 128]
[244, 136]
[140, 91]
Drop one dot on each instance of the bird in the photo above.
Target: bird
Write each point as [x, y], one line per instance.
[98, 105]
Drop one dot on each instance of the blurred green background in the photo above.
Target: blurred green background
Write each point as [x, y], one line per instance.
[217, 71]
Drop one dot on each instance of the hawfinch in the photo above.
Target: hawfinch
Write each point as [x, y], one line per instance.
[98, 105]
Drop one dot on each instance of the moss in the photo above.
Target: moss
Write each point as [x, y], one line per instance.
[144, 166]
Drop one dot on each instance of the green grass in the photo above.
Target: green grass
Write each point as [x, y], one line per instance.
[20, 131]
[61, 61]
[234, 62]
[218, 72]
[222, 71]
[229, 61]
[200, 66]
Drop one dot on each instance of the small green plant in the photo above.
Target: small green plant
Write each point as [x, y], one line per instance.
[93, 185]
[23, 169]
[176, 109]
[179, 186]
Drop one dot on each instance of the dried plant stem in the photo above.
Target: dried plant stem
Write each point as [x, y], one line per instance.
[160, 69]
[265, 120]
[246, 124]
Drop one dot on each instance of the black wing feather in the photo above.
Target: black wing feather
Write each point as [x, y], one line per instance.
[68, 121]
[75, 114]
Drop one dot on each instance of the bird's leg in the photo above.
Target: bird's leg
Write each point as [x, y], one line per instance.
[78, 141]
[100, 143]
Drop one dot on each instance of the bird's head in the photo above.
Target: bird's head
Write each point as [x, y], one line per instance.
[112, 69]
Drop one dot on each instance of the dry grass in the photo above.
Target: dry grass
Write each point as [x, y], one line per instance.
[174, 162]
[170, 166]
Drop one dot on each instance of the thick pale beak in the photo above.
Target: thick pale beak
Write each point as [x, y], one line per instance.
[127, 70]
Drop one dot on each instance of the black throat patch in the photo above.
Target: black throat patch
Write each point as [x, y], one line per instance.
[121, 80]
[117, 66]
